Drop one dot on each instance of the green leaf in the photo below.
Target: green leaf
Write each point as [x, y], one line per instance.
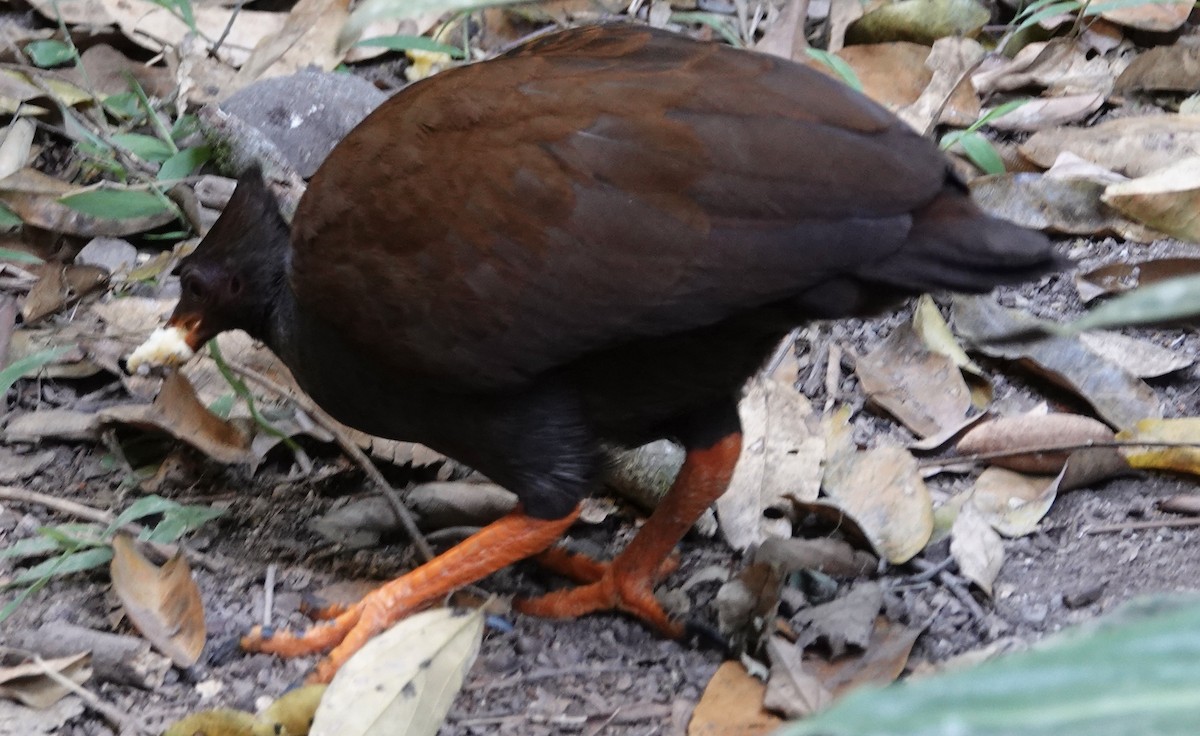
[144, 146]
[1137, 674]
[18, 256]
[181, 521]
[719, 22]
[223, 404]
[1165, 301]
[140, 509]
[45, 543]
[1048, 11]
[184, 163]
[838, 65]
[411, 43]
[116, 204]
[124, 105]
[369, 11]
[184, 126]
[49, 52]
[981, 152]
[88, 559]
[28, 364]
[9, 221]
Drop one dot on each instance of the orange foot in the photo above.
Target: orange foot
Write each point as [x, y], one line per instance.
[497, 545]
[606, 586]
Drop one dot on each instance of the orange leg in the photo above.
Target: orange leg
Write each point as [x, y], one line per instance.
[627, 583]
[497, 545]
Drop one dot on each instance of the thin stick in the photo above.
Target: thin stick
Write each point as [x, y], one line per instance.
[1152, 524]
[1016, 452]
[269, 595]
[120, 720]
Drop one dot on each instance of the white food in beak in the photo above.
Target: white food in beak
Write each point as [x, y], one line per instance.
[166, 346]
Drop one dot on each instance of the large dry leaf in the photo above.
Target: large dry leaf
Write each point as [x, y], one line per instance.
[923, 389]
[15, 147]
[919, 21]
[404, 680]
[1134, 146]
[951, 60]
[178, 412]
[163, 603]
[30, 684]
[308, 38]
[1059, 65]
[1142, 358]
[1049, 112]
[1166, 200]
[1027, 436]
[155, 28]
[1182, 459]
[1039, 202]
[882, 490]
[1122, 276]
[74, 12]
[35, 196]
[60, 287]
[977, 548]
[1158, 17]
[881, 661]
[732, 705]
[1117, 396]
[1011, 503]
[792, 690]
[1174, 68]
[781, 459]
[845, 622]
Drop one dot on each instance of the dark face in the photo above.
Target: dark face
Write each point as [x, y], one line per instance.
[212, 298]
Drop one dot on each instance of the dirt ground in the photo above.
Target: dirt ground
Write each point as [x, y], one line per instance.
[602, 674]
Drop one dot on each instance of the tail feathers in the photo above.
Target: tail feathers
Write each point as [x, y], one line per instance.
[953, 245]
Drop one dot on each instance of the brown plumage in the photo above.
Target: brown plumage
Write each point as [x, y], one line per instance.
[595, 237]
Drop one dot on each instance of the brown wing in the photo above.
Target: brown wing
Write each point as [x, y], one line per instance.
[505, 218]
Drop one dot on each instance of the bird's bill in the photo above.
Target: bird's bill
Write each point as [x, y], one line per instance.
[172, 345]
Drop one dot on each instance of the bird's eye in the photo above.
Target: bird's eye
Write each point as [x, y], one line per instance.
[235, 285]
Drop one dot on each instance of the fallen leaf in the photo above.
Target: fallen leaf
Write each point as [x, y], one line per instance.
[1185, 459]
[732, 705]
[1122, 276]
[407, 675]
[1172, 68]
[1134, 146]
[881, 661]
[977, 548]
[829, 556]
[1060, 66]
[29, 684]
[1142, 358]
[1026, 438]
[1048, 112]
[1157, 17]
[846, 621]
[918, 21]
[1183, 503]
[791, 690]
[59, 287]
[308, 38]
[1167, 200]
[163, 603]
[36, 198]
[155, 28]
[785, 36]
[882, 490]
[951, 60]
[1117, 396]
[746, 605]
[781, 458]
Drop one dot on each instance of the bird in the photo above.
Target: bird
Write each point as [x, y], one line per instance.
[593, 239]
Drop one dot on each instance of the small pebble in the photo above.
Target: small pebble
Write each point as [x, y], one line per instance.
[1083, 598]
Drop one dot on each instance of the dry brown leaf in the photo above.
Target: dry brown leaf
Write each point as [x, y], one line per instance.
[308, 38]
[791, 690]
[1026, 436]
[1183, 459]
[882, 490]
[1142, 358]
[1012, 503]
[178, 412]
[1041, 202]
[781, 458]
[951, 60]
[15, 148]
[746, 605]
[34, 196]
[826, 555]
[732, 705]
[1158, 17]
[846, 621]
[1174, 67]
[61, 424]
[163, 603]
[785, 36]
[1134, 146]
[1117, 396]
[29, 684]
[1049, 112]
[923, 389]
[1059, 65]
[977, 548]
[1166, 200]
[1183, 503]
[60, 287]
[106, 71]
[155, 28]
[1119, 277]
[882, 660]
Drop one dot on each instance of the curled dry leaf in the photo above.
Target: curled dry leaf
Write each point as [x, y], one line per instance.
[732, 705]
[882, 660]
[1174, 68]
[792, 690]
[1142, 358]
[35, 196]
[1134, 146]
[882, 490]
[746, 605]
[1117, 396]
[308, 38]
[781, 458]
[1167, 200]
[29, 684]
[1026, 438]
[977, 548]
[163, 603]
[1182, 459]
[1060, 66]
[405, 678]
[1117, 278]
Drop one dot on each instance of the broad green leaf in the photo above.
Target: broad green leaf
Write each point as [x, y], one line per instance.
[411, 43]
[116, 204]
[838, 65]
[180, 521]
[184, 126]
[44, 544]
[982, 153]
[124, 105]
[1138, 673]
[49, 52]
[184, 163]
[140, 509]
[87, 559]
[10, 221]
[144, 146]
[28, 364]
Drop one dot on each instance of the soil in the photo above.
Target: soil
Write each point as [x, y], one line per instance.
[601, 674]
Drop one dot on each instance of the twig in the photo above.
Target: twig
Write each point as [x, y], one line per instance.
[353, 451]
[228, 27]
[1045, 449]
[1152, 524]
[269, 595]
[72, 508]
